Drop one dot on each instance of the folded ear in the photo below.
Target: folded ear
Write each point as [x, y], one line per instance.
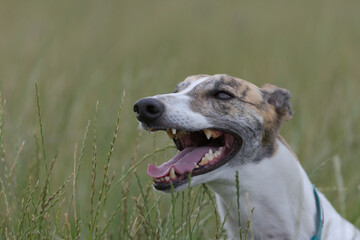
[279, 98]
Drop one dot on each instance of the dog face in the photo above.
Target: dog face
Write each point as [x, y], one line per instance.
[216, 122]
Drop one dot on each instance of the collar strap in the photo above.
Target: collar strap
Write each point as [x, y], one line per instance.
[319, 216]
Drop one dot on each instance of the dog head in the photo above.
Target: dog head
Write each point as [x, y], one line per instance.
[216, 122]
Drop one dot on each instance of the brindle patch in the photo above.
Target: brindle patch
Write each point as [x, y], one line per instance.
[244, 93]
[255, 114]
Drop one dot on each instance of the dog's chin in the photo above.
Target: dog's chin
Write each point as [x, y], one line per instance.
[200, 152]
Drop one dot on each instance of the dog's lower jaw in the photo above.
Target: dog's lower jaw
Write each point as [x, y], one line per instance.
[282, 197]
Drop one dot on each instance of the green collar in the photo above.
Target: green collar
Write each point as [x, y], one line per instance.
[319, 217]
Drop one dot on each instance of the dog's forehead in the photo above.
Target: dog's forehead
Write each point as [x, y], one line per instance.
[198, 84]
[190, 82]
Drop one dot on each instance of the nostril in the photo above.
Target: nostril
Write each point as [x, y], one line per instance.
[152, 109]
[136, 108]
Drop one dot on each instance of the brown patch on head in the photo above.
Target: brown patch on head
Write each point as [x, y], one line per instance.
[204, 95]
[241, 89]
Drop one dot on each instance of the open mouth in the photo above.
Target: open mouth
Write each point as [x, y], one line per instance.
[199, 152]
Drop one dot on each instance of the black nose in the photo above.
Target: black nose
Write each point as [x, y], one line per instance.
[148, 109]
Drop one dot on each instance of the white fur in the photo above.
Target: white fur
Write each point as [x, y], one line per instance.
[178, 112]
[282, 197]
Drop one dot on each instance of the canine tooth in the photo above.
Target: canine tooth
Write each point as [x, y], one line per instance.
[173, 131]
[196, 166]
[170, 134]
[212, 134]
[167, 178]
[172, 173]
[207, 133]
[157, 180]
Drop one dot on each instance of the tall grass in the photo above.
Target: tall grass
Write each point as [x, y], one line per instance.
[80, 52]
[41, 213]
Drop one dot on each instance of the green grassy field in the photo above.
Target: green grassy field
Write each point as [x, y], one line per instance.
[81, 52]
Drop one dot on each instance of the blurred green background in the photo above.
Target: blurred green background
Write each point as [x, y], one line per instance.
[83, 51]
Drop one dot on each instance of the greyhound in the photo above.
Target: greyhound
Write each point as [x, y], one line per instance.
[223, 126]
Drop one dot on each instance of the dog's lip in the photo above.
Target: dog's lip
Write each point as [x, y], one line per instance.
[235, 148]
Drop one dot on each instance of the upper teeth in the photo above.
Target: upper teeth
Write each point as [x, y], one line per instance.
[170, 134]
[211, 133]
[174, 133]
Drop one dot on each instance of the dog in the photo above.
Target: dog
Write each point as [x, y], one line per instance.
[225, 127]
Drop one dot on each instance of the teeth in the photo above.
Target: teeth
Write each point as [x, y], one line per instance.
[210, 156]
[203, 162]
[170, 134]
[172, 173]
[167, 178]
[174, 134]
[207, 133]
[212, 134]
[218, 152]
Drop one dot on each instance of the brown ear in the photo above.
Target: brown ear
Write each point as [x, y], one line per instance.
[279, 98]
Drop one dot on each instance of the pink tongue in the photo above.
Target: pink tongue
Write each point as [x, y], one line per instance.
[183, 162]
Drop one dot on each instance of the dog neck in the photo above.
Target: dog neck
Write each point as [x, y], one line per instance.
[279, 192]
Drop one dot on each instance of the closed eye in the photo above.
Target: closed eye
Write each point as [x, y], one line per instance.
[222, 95]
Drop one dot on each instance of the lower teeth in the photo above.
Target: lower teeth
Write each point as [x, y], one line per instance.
[209, 157]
